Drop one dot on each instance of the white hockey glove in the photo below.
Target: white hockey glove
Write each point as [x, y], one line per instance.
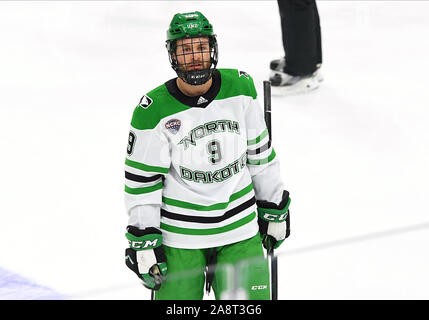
[146, 256]
[274, 221]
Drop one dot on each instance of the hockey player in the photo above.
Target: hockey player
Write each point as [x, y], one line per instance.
[202, 181]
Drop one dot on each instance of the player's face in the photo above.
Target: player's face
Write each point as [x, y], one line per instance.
[193, 53]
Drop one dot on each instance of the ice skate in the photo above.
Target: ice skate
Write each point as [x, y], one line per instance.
[284, 83]
[279, 64]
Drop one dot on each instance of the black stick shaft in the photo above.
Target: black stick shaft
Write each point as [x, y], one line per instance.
[274, 279]
[273, 258]
[267, 106]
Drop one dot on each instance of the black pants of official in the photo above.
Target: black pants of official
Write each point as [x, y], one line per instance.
[301, 36]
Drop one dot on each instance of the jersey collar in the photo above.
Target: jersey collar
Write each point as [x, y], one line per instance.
[201, 101]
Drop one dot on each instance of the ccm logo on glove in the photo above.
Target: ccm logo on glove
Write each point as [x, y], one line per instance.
[275, 218]
[139, 244]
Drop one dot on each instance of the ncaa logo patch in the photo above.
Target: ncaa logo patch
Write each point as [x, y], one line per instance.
[145, 102]
[173, 125]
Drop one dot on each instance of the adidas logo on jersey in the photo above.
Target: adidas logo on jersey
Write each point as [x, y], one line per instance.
[201, 100]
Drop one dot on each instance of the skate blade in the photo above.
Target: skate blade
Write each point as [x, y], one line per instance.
[302, 86]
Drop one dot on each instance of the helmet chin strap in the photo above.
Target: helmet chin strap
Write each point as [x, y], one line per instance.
[195, 77]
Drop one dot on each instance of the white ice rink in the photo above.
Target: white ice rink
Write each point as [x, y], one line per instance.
[354, 153]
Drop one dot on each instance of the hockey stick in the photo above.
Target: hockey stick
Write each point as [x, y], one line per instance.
[270, 252]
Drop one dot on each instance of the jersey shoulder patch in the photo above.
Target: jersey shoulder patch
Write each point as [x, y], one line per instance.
[145, 102]
[243, 74]
[153, 107]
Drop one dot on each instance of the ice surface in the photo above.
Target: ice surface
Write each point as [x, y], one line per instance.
[15, 287]
[354, 153]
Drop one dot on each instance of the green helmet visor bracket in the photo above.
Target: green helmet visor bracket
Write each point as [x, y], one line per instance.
[194, 60]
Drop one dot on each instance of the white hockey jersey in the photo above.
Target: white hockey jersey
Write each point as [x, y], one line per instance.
[203, 161]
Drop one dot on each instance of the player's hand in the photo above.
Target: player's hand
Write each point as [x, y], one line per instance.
[145, 256]
[274, 222]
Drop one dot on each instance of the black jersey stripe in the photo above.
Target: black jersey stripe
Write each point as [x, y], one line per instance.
[228, 214]
[260, 149]
[137, 178]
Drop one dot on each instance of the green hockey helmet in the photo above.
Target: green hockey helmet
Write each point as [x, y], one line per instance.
[187, 26]
[192, 24]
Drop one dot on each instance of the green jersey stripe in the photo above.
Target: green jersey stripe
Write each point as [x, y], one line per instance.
[203, 219]
[144, 189]
[206, 232]
[216, 206]
[258, 139]
[263, 161]
[146, 167]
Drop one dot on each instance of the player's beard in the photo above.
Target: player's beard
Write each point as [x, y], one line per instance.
[204, 65]
[196, 72]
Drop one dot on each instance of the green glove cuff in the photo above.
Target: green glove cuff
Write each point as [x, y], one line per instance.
[274, 215]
